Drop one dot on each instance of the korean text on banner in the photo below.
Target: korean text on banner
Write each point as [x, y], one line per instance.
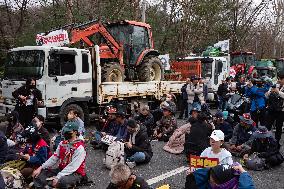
[202, 162]
[54, 38]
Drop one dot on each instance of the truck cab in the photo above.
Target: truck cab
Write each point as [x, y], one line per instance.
[62, 74]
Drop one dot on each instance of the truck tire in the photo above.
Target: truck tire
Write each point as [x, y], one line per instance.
[112, 72]
[63, 113]
[151, 69]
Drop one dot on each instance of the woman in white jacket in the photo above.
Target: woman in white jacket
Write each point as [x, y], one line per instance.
[216, 151]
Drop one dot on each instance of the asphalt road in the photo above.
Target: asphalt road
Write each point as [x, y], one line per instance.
[163, 162]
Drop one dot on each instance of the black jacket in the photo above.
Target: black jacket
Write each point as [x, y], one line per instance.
[223, 90]
[198, 138]
[266, 149]
[142, 144]
[25, 91]
[3, 147]
[148, 120]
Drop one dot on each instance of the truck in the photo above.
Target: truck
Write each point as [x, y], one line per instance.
[72, 78]
[213, 70]
[241, 61]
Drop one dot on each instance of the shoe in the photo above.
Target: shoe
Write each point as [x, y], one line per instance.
[130, 164]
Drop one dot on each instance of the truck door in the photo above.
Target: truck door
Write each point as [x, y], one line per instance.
[62, 81]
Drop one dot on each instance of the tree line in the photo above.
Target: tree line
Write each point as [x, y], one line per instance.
[180, 27]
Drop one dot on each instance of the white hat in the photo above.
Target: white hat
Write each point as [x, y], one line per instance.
[217, 135]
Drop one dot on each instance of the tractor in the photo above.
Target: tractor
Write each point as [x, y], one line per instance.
[242, 61]
[126, 49]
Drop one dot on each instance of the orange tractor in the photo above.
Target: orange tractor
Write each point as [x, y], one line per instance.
[126, 49]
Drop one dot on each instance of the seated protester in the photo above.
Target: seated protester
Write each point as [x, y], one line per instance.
[166, 126]
[193, 115]
[146, 118]
[224, 126]
[69, 159]
[73, 115]
[121, 122]
[198, 138]
[14, 126]
[109, 128]
[36, 151]
[170, 99]
[241, 139]
[38, 121]
[3, 148]
[122, 178]
[175, 145]
[216, 151]
[265, 146]
[220, 177]
[137, 146]
[135, 110]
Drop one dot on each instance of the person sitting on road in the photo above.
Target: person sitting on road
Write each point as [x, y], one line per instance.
[216, 151]
[265, 146]
[175, 145]
[14, 126]
[220, 177]
[73, 115]
[241, 139]
[135, 110]
[193, 115]
[138, 148]
[122, 178]
[195, 94]
[109, 128]
[146, 118]
[224, 126]
[3, 148]
[121, 122]
[198, 138]
[38, 121]
[69, 159]
[36, 151]
[167, 125]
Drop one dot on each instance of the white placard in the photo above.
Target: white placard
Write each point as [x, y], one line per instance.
[223, 44]
[55, 38]
[166, 61]
[108, 139]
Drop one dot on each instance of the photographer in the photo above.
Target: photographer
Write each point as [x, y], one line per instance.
[256, 92]
[275, 106]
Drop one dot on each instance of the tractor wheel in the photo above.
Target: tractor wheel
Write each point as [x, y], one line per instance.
[151, 69]
[112, 72]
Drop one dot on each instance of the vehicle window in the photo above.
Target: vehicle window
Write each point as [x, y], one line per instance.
[140, 37]
[61, 64]
[85, 63]
[206, 70]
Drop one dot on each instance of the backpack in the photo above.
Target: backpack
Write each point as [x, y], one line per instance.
[12, 178]
[275, 102]
[256, 163]
[114, 154]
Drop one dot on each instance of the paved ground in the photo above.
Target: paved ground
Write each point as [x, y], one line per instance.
[163, 162]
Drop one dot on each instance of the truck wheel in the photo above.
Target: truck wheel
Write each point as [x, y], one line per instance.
[112, 72]
[151, 69]
[63, 113]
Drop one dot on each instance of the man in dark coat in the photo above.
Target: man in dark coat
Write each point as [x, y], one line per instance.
[3, 147]
[222, 93]
[223, 125]
[138, 147]
[28, 97]
[184, 109]
[146, 118]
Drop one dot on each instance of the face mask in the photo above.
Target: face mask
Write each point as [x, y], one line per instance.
[68, 136]
[32, 87]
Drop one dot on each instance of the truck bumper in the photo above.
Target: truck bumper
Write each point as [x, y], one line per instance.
[4, 109]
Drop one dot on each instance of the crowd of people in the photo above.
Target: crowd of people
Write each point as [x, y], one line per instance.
[60, 162]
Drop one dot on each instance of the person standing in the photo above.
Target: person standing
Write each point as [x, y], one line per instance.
[184, 109]
[195, 96]
[222, 93]
[28, 97]
[276, 108]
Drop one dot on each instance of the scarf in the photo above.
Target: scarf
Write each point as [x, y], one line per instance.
[231, 184]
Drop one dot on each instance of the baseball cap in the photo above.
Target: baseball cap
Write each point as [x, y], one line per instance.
[217, 135]
[70, 126]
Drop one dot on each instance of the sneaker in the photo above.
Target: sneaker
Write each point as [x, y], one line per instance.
[130, 164]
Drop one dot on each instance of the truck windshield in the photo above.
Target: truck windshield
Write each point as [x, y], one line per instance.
[24, 64]
[240, 59]
[267, 72]
[206, 69]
